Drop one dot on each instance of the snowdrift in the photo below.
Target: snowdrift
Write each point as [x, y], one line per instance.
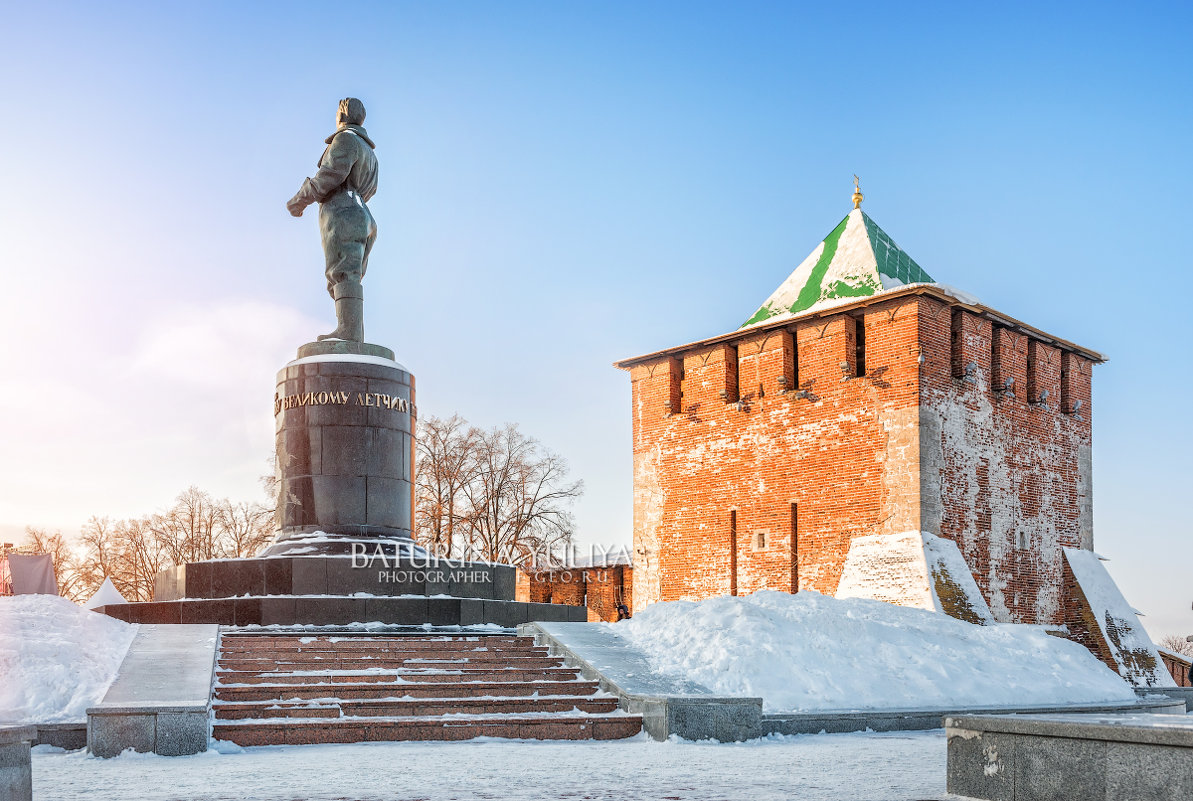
[56, 658]
[809, 652]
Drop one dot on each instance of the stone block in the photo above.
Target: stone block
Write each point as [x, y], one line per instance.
[297, 503]
[981, 764]
[181, 733]
[246, 611]
[16, 772]
[194, 580]
[309, 575]
[277, 611]
[555, 613]
[404, 611]
[153, 612]
[472, 612]
[437, 579]
[207, 611]
[471, 581]
[236, 577]
[300, 449]
[504, 613]
[1091, 757]
[344, 579]
[723, 721]
[1145, 772]
[279, 576]
[398, 579]
[13, 755]
[68, 736]
[345, 451]
[118, 611]
[444, 611]
[328, 611]
[1048, 768]
[504, 582]
[337, 501]
[110, 734]
[387, 501]
[386, 453]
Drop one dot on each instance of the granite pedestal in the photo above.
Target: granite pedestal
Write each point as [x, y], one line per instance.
[344, 417]
[337, 590]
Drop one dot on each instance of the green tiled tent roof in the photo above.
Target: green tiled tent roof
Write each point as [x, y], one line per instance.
[856, 259]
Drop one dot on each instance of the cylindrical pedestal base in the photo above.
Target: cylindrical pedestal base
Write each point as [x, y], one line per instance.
[345, 451]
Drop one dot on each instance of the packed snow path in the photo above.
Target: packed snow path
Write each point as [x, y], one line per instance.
[827, 767]
[290, 689]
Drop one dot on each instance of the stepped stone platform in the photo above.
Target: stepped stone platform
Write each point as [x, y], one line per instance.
[338, 590]
[274, 689]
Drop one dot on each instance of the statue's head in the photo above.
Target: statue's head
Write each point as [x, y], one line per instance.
[351, 112]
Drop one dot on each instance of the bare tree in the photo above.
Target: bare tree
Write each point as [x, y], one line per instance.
[520, 501]
[142, 557]
[132, 552]
[187, 530]
[496, 495]
[244, 527]
[1178, 645]
[101, 554]
[447, 464]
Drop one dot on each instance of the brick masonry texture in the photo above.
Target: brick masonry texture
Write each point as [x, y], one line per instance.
[758, 459]
[599, 589]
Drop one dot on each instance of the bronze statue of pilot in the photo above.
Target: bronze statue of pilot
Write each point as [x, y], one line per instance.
[345, 182]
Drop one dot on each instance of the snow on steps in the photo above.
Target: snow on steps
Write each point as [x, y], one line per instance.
[293, 689]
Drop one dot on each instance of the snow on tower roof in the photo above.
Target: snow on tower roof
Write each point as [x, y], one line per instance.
[857, 259]
[854, 263]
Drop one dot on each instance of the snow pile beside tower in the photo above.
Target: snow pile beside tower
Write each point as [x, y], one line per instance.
[808, 652]
[915, 569]
[56, 658]
[1103, 618]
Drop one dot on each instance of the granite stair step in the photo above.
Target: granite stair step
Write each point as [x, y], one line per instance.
[231, 677]
[267, 692]
[416, 707]
[298, 689]
[291, 641]
[338, 662]
[396, 646]
[304, 731]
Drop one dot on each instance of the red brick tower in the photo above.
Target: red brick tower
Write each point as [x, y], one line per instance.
[862, 404]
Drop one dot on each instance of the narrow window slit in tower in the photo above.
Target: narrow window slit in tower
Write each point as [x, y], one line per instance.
[957, 342]
[860, 342]
[733, 552]
[795, 547]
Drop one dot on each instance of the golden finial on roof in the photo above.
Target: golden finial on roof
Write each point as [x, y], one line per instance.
[858, 197]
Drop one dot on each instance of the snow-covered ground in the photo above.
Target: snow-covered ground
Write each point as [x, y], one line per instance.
[56, 658]
[828, 767]
[810, 652]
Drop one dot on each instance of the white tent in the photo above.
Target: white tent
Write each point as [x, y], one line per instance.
[105, 595]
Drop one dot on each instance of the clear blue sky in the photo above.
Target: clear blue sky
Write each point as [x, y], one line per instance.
[565, 184]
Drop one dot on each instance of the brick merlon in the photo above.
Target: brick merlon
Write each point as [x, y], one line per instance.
[933, 290]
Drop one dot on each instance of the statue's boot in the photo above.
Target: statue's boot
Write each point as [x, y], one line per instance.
[350, 312]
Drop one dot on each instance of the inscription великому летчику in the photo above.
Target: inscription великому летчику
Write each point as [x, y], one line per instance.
[378, 399]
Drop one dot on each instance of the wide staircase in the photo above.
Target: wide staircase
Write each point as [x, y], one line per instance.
[293, 689]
